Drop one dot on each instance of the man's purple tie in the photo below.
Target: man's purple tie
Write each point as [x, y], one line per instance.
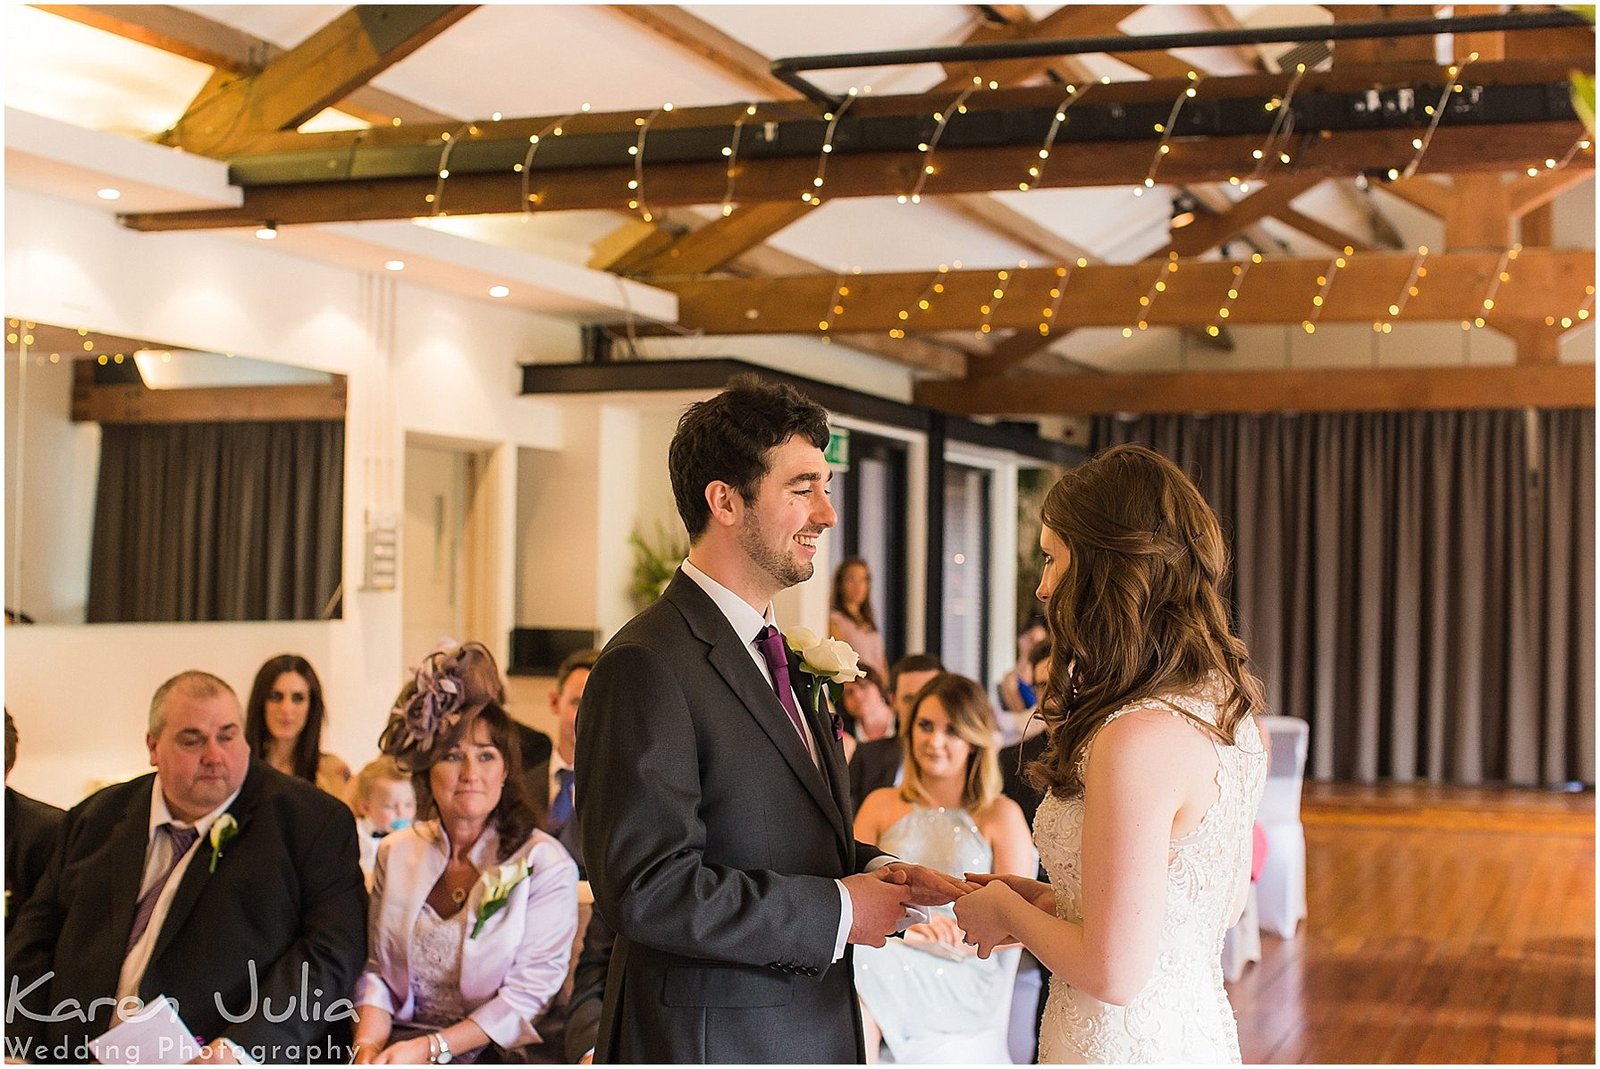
[770, 640]
[181, 839]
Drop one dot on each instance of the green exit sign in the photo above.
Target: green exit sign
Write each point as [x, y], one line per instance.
[838, 451]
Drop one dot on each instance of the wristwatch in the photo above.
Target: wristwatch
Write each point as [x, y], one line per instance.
[439, 1050]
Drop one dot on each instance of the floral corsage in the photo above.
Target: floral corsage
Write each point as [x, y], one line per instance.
[223, 829]
[498, 883]
[831, 661]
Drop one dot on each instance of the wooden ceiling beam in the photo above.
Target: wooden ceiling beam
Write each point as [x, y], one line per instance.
[1379, 50]
[1530, 192]
[216, 44]
[1297, 390]
[136, 403]
[961, 170]
[1330, 236]
[715, 244]
[1545, 282]
[790, 107]
[317, 73]
[1209, 231]
[1429, 194]
[1071, 20]
[724, 54]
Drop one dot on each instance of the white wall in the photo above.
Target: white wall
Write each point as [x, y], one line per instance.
[417, 361]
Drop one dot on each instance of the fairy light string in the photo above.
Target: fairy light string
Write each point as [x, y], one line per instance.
[1408, 291]
[731, 151]
[1240, 270]
[832, 118]
[1421, 143]
[1276, 144]
[1036, 171]
[636, 150]
[525, 168]
[1325, 282]
[996, 295]
[924, 299]
[1057, 292]
[1166, 129]
[1500, 276]
[1157, 288]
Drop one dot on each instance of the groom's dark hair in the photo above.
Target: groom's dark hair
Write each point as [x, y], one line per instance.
[726, 439]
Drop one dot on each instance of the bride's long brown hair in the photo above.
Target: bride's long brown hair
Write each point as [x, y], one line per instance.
[1138, 612]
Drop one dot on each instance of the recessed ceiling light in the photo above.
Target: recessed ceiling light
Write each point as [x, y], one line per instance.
[394, 265]
[109, 194]
[499, 291]
[267, 232]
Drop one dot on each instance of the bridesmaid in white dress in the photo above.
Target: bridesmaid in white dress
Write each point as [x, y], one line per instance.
[1153, 772]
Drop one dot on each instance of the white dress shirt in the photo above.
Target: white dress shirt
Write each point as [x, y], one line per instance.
[157, 855]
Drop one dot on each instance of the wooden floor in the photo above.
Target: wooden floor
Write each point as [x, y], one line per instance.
[1446, 925]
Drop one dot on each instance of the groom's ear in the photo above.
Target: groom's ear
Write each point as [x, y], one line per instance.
[725, 502]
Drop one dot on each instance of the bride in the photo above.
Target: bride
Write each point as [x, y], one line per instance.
[1153, 771]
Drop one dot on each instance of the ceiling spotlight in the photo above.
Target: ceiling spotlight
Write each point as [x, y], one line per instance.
[267, 231]
[499, 291]
[109, 194]
[1184, 210]
[394, 265]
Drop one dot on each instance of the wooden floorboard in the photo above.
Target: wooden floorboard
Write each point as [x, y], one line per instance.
[1448, 926]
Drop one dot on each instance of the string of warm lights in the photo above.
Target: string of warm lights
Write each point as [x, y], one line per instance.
[1057, 291]
[924, 299]
[941, 119]
[636, 150]
[1500, 276]
[998, 294]
[1276, 144]
[525, 168]
[1435, 113]
[1037, 170]
[1553, 164]
[1165, 130]
[835, 303]
[1148, 301]
[832, 118]
[1585, 310]
[1408, 291]
[436, 199]
[1325, 281]
[1240, 270]
[731, 151]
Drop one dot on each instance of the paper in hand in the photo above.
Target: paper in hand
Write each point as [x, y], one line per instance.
[156, 1035]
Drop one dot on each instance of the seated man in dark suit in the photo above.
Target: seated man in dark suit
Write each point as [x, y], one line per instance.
[31, 828]
[228, 887]
[571, 678]
[877, 763]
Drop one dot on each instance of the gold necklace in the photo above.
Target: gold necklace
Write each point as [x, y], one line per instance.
[458, 895]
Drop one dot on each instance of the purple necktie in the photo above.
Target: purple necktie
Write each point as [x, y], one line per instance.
[772, 648]
[181, 839]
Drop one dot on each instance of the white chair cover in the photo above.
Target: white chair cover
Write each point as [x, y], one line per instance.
[1242, 944]
[1282, 886]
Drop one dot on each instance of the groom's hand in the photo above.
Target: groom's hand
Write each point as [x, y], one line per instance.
[878, 903]
[930, 887]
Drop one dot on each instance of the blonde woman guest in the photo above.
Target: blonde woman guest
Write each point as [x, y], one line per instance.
[851, 618]
[284, 720]
[453, 975]
[930, 990]
[1154, 767]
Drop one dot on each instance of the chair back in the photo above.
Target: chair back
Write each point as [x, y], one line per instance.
[1286, 768]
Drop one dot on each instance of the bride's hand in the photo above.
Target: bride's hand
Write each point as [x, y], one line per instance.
[1036, 893]
[982, 915]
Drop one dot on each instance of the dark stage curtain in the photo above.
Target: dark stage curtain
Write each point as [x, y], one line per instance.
[1419, 586]
[218, 521]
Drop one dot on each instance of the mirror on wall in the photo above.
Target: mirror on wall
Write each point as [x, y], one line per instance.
[147, 482]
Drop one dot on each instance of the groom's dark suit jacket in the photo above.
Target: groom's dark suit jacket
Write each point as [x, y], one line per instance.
[713, 843]
[287, 896]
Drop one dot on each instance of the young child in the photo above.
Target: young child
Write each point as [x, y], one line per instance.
[383, 801]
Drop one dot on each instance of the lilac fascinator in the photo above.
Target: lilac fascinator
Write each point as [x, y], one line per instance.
[436, 707]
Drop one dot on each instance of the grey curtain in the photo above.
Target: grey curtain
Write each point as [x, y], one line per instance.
[1419, 586]
[218, 521]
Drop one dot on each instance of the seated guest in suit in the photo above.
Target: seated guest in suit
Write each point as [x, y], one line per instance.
[383, 801]
[283, 723]
[877, 764]
[571, 678]
[867, 707]
[473, 910]
[31, 828]
[216, 881]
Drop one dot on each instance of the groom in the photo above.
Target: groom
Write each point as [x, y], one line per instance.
[714, 804]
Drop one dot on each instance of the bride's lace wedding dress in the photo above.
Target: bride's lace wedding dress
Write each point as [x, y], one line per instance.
[1182, 1013]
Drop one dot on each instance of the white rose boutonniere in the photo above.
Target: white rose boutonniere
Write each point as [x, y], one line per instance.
[831, 661]
[498, 883]
[223, 829]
